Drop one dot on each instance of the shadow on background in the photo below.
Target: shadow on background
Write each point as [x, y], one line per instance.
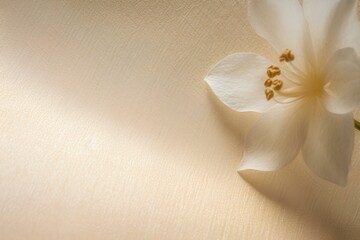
[294, 188]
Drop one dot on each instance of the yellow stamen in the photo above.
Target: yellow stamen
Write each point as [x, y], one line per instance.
[277, 84]
[269, 94]
[273, 71]
[268, 83]
[286, 56]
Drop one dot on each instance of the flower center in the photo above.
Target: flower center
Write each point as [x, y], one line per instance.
[300, 83]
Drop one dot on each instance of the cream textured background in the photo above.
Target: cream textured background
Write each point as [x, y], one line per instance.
[109, 132]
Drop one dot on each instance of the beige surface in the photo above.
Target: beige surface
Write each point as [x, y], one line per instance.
[109, 132]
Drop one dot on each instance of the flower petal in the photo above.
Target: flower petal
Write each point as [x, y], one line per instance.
[238, 81]
[283, 25]
[276, 138]
[329, 145]
[333, 25]
[343, 82]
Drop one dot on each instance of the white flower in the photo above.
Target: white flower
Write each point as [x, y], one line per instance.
[307, 95]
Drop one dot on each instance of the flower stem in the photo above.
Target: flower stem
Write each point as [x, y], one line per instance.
[357, 124]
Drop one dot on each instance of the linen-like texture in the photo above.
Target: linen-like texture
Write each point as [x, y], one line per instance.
[108, 130]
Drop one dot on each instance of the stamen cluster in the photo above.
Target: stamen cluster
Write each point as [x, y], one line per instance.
[272, 84]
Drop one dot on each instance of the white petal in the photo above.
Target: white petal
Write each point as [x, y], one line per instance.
[238, 81]
[343, 82]
[276, 138]
[283, 25]
[333, 24]
[329, 145]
